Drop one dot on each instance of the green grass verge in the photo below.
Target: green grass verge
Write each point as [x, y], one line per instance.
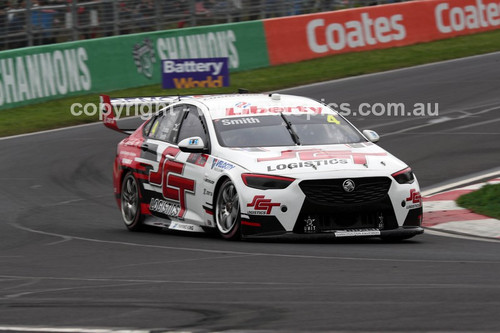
[485, 201]
[57, 113]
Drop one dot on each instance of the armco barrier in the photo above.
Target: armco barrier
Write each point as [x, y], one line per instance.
[292, 39]
[37, 74]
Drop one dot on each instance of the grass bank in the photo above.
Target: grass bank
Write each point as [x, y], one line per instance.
[57, 113]
[485, 201]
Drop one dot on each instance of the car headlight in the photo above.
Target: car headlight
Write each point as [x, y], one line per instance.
[404, 176]
[266, 182]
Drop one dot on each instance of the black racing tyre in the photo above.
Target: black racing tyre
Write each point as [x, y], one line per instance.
[131, 204]
[227, 211]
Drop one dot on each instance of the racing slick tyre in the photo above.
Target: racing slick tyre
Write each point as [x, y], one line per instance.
[227, 211]
[130, 203]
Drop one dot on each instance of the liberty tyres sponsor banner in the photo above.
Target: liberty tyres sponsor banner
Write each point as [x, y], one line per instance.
[41, 73]
[195, 73]
[297, 38]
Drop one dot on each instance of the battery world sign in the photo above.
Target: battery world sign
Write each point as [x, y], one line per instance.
[195, 73]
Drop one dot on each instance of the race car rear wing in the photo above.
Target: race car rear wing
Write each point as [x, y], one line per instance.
[110, 106]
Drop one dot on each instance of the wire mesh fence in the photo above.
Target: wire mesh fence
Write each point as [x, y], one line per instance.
[39, 22]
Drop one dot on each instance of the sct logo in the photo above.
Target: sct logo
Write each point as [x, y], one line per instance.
[414, 197]
[169, 178]
[414, 200]
[261, 205]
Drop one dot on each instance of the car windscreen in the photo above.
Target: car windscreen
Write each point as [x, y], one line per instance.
[284, 130]
[323, 129]
[262, 131]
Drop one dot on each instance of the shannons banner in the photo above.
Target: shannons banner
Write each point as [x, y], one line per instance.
[37, 74]
[292, 39]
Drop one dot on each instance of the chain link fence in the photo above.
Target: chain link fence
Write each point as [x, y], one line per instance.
[39, 22]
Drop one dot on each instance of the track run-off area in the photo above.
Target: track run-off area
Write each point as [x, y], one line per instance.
[68, 263]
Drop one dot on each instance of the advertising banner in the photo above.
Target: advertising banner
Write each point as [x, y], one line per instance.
[41, 73]
[195, 73]
[292, 39]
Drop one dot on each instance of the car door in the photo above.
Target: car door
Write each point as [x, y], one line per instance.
[192, 166]
[173, 179]
[158, 156]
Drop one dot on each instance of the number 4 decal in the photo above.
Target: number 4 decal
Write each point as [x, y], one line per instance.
[168, 176]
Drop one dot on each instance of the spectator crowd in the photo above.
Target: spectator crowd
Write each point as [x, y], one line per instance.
[39, 22]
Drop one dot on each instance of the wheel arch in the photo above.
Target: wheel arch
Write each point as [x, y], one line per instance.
[219, 183]
[135, 224]
[124, 172]
[232, 235]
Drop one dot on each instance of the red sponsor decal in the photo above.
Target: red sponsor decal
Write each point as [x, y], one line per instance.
[197, 159]
[317, 154]
[251, 224]
[145, 209]
[414, 197]
[260, 203]
[168, 176]
[274, 109]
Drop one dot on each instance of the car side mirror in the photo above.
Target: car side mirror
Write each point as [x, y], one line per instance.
[371, 136]
[193, 144]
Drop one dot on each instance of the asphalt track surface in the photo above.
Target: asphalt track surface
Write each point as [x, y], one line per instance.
[66, 260]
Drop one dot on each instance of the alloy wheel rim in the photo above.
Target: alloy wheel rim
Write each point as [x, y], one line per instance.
[129, 201]
[228, 208]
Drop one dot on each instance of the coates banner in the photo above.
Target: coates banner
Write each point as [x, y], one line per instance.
[292, 39]
[195, 73]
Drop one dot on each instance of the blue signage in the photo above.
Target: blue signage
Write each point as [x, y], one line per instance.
[195, 73]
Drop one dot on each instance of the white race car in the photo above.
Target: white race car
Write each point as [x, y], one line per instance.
[259, 165]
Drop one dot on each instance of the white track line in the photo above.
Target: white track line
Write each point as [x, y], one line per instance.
[292, 256]
[446, 187]
[72, 329]
[443, 233]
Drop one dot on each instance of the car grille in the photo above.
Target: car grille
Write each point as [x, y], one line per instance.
[330, 192]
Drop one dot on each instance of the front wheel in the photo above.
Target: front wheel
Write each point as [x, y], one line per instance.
[130, 203]
[227, 211]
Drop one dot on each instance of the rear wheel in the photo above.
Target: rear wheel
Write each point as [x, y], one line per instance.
[130, 203]
[227, 211]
